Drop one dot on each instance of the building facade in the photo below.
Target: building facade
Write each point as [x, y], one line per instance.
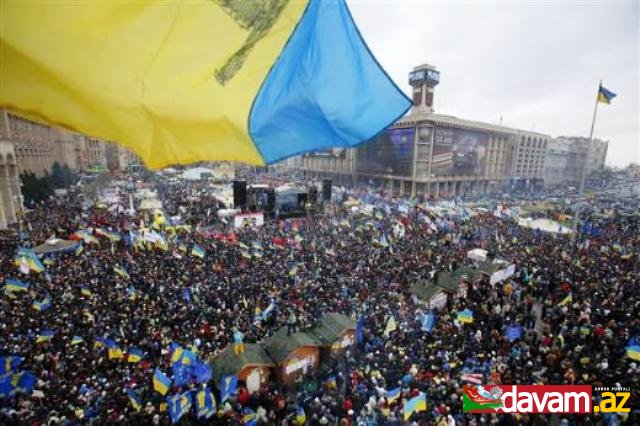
[555, 163]
[35, 145]
[120, 158]
[529, 160]
[582, 157]
[10, 195]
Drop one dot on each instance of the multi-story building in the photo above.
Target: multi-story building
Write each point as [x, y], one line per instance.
[529, 159]
[34, 144]
[555, 163]
[582, 158]
[119, 157]
[92, 152]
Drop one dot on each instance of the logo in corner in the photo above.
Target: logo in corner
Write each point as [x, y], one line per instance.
[481, 399]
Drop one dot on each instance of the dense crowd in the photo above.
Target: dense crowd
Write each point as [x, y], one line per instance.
[577, 302]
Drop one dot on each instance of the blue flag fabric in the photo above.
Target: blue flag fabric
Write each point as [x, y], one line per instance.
[9, 364]
[186, 295]
[359, 327]
[428, 322]
[202, 372]
[228, 386]
[182, 373]
[513, 333]
[304, 79]
[179, 405]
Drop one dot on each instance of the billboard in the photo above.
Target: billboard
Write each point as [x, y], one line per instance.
[390, 154]
[458, 152]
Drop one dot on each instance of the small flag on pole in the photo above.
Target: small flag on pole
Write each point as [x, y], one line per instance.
[605, 96]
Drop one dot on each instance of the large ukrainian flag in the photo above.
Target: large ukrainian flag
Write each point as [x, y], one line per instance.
[177, 82]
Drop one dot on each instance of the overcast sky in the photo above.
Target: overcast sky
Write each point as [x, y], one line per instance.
[536, 64]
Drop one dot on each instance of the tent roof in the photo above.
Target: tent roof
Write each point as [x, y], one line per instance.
[55, 246]
[195, 172]
[331, 327]
[279, 346]
[424, 290]
[227, 362]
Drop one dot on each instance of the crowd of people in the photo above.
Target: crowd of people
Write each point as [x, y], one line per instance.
[577, 302]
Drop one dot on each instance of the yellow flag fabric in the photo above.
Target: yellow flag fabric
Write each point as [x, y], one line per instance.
[143, 73]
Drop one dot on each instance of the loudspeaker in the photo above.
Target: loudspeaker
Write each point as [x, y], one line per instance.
[313, 195]
[239, 194]
[271, 200]
[302, 200]
[326, 190]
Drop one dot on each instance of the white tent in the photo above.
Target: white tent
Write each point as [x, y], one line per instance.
[150, 204]
[546, 225]
[196, 173]
[477, 254]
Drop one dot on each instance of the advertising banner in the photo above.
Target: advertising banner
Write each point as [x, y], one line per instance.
[458, 152]
[390, 154]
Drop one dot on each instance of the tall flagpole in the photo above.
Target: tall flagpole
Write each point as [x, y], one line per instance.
[583, 175]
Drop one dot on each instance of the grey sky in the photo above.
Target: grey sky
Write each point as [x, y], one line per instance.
[536, 64]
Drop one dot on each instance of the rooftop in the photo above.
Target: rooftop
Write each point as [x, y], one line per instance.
[227, 362]
[279, 346]
[331, 327]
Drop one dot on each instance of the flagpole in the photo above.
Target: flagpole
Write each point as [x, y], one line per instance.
[583, 174]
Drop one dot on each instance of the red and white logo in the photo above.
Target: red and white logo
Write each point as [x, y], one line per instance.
[574, 399]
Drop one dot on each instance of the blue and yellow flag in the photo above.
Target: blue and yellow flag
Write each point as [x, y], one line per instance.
[131, 293]
[633, 348]
[45, 335]
[135, 355]
[161, 382]
[178, 405]
[604, 95]
[228, 386]
[13, 285]
[76, 340]
[393, 395]
[248, 417]
[205, 403]
[115, 353]
[465, 316]
[42, 306]
[28, 256]
[301, 416]
[9, 364]
[134, 399]
[415, 405]
[180, 82]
